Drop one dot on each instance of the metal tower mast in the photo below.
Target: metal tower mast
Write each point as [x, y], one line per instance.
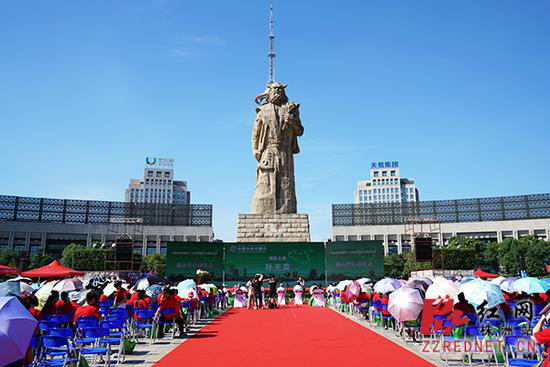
[271, 53]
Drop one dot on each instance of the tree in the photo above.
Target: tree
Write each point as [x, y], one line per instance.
[155, 263]
[394, 265]
[79, 257]
[8, 257]
[39, 261]
[511, 255]
[490, 257]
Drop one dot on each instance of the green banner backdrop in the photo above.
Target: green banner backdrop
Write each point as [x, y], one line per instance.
[287, 261]
[350, 260]
[238, 262]
[184, 258]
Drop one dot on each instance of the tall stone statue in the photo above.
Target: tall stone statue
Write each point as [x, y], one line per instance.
[274, 143]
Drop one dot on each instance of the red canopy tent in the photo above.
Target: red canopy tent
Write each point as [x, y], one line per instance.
[8, 270]
[483, 274]
[53, 270]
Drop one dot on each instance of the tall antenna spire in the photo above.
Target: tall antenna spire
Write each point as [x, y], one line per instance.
[271, 53]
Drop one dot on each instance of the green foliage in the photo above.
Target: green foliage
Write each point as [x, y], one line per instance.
[39, 261]
[79, 257]
[8, 258]
[528, 253]
[155, 263]
[455, 258]
[394, 265]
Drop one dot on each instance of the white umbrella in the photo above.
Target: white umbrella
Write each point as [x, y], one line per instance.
[208, 287]
[387, 285]
[363, 280]
[343, 284]
[478, 291]
[186, 285]
[498, 280]
[26, 288]
[109, 289]
[405, 304]
[68, 285]
[19, 278]
[442, 289]
[44, 292]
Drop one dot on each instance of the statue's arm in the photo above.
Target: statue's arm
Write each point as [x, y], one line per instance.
[256, 132]
[295, 121]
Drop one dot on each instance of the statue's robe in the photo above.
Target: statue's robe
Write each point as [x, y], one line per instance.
[275, 142]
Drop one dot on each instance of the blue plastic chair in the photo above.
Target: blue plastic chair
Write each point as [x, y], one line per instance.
[96, 334]
[115, 336]
[46, 326]
[161, 323]
[55, 346]
[143, 321]
[59, 318]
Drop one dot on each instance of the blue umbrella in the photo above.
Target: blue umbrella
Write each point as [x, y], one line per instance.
[530, 285]
[154, 291]
[477, 291]
[16, 328]
[8, 289]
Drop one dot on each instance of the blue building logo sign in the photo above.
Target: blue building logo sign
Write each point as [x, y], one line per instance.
[160, 162]
[393, 164]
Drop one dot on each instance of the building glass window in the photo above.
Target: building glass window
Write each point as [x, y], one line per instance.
[392, 173]
[158, 173]
[384, 173]
[375, 173]
[149, 173]
[167, 174]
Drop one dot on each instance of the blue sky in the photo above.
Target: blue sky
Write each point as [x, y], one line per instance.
[456, 91]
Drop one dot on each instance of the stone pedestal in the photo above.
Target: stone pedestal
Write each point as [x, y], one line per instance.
[273, 228]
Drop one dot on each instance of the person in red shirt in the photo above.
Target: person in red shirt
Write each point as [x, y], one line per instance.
[384, 305]
[169, 301]
[49, 305]
[74, 304]
[542, 336]
[33, 302]
[90, 309]
[64, 306]
[120, 293]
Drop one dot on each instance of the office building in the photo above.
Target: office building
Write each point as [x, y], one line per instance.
[489, 219]
[47, 226]
[385, 186]
[158, 185]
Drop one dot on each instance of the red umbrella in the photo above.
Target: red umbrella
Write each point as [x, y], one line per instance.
[8, 270]
[483, 274]
[53, 270]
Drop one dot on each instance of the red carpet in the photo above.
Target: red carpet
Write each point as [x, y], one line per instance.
[292, 336]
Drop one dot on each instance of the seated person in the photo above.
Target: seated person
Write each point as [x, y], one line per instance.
[91, 308]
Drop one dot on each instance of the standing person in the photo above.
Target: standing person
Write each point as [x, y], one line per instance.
[272, 290]
[257, 287]
[301, 282]
[250, 294]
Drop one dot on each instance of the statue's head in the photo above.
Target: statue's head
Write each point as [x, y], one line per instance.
[276, 94]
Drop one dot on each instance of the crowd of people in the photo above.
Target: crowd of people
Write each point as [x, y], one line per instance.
[160, 307]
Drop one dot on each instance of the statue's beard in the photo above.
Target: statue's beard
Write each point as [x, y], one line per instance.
[276, 98]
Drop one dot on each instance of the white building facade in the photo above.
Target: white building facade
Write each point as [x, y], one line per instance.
[385, 186]
[489, 219]
[158, 185]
